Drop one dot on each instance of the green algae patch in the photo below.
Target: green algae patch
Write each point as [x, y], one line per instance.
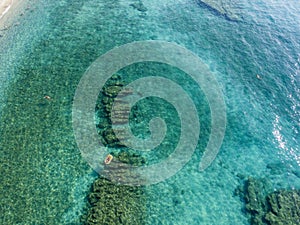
[116, 204]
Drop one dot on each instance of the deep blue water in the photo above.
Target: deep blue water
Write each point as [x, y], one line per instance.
[44, 178]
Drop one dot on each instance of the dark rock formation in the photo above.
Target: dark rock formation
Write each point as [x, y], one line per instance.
[131, 158]
[112, 204]
[253, 193]
[283, 207]
[108, 96]
[267, 207]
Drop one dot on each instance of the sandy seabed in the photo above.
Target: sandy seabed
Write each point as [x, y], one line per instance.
[9, 10]
[5, 6]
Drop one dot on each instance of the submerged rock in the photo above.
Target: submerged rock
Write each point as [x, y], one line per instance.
[227, 8]
[277, 168]
[131, 158]
[284, 207]
[107, 98]
[112, 91]
[255, 191]
[139, 6]
[266, 207]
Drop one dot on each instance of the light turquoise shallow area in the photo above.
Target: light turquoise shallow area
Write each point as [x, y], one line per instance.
[44, 179]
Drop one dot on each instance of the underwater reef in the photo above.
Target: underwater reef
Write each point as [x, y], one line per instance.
[104, 106]
[284, 207]
[265, 206]
[112, 204]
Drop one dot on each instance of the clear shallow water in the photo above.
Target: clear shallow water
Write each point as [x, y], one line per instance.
[44, 178]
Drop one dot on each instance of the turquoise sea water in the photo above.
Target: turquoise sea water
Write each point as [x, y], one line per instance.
[44, 179]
